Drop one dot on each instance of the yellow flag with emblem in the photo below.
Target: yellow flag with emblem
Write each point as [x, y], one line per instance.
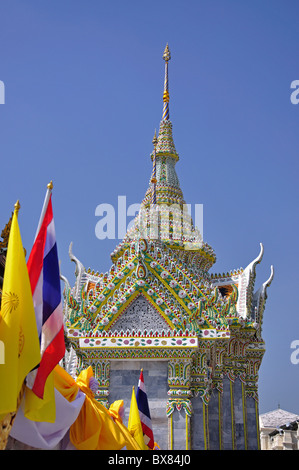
[18, 331]
[134, 423]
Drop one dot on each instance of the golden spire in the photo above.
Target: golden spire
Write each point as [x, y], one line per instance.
[166, 57]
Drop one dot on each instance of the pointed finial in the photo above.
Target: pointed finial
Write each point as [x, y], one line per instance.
[166, 57]
[17, 207]
[155, 140]
[166, 54]
[50, 185]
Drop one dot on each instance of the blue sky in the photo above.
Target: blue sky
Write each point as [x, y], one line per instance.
[83, 96]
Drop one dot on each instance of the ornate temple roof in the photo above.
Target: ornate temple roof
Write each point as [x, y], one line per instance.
[158, 292]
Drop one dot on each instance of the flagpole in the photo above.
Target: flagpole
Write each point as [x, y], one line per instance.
[46, 202]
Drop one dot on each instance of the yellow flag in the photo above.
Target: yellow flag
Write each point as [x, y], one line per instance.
[134, 424]
[18, 330]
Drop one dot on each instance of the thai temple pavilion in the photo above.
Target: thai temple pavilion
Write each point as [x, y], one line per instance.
[196, 335]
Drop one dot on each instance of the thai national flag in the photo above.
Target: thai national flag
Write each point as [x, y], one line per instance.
[44, 277]
[144, 413]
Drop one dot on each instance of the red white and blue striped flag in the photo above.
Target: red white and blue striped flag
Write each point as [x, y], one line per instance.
[43, 268]
[144, 413]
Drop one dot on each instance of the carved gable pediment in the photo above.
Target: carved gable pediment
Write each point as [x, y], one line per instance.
[140, 315]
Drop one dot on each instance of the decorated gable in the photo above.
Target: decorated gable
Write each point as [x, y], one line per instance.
[140, 315]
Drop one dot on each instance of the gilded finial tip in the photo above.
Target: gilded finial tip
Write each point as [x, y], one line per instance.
[17, 206]
[50, 185]
[166, 54]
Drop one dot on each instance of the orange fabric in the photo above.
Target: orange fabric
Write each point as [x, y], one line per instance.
[115, 413]
[95, 428]
[65, 383]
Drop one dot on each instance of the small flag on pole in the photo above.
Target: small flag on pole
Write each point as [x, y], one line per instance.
[144, 413]
[43, 268]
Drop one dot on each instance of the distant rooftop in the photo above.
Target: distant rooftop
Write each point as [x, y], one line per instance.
[277, 418]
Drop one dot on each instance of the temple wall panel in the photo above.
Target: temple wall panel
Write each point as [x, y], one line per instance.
[179, 431]
[214, 422]
[252, 424]
[125, 374]
[198, 433]
[220, 424]
[227, 416]
[240, 435]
